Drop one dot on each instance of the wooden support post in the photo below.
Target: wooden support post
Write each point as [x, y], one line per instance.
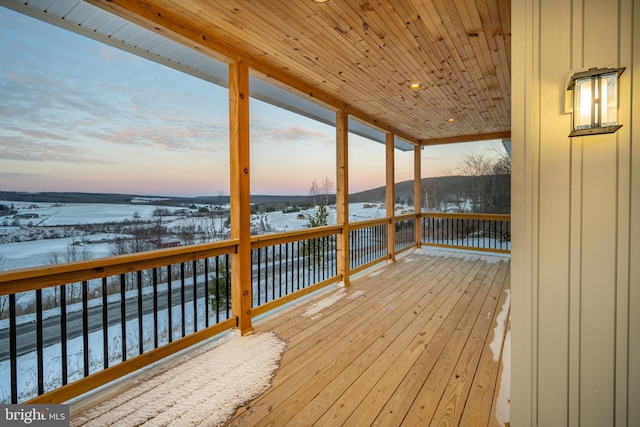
[390, 200]
[417, 192]
[342, 194]
[240, 195]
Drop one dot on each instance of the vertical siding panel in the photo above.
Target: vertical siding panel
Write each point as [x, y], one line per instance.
[624, 204]
[554, 219]
[634, 247]
[575, 280]
[599, 235]
[523, 383]
[590, 292]
[598, 282]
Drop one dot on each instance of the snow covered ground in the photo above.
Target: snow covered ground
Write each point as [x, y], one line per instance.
[40, 251]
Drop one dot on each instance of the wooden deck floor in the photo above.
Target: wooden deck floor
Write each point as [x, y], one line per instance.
[410, 343]
[406, 344]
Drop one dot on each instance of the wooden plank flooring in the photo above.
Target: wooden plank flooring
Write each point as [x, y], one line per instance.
[405, 344]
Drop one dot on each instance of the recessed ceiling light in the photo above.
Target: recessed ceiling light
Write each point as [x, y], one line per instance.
[415, 86]
[320, 1]
[451, 120]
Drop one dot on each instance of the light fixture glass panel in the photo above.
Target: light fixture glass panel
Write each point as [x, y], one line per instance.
[609, 100]
[595, 101]
[583, 100]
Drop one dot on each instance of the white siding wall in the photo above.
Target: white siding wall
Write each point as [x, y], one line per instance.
[576, 221]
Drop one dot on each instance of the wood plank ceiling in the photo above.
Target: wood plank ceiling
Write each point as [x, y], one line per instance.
[361, 56]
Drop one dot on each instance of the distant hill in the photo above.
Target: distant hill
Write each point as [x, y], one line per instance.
[108, 198]
[491, 193]
[445, 189]
[111, 198]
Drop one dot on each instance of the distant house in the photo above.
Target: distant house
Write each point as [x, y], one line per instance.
[26, 216]
[172, 244]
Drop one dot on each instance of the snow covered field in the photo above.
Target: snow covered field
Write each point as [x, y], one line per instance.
[35, 249]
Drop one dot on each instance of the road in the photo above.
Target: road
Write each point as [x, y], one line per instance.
[26, 332]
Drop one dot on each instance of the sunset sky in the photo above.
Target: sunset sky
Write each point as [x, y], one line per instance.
[78, 115]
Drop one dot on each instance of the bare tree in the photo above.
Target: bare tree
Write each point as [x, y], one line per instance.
[326, 189]
[4, 304]
[433, 197]
[140, 239]
[187, 233]
[489, 191]
[215, 221]
[77, 252]
[314, 191]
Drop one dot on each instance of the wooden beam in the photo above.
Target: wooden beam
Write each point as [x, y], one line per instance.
[33, 278]
[391, 195]
[240, 195]
[417, 192]
[466, 138]
[342, 193]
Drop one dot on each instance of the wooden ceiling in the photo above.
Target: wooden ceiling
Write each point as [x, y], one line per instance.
[361, 56]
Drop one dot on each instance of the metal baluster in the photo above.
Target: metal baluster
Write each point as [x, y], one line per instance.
[286, 269]
[493, 231]
[155, 307]
[273, 272]
[169, 303]
[105, 325]
[305, 249]
[374, 243]
[315, 260]
[63, 332]
[39, 341]
[85, 326]
[182, 298]
[298, 265]
[353, 247]
[484, 233]
[217, 279]
[227, 282]
[433, 230]
[13, 348]
[366, 234]
[206, 292]
[280, 269]
[140, 329]
[259, 279]
[325, 257]
[123, 315]
[195, 297]
[361, 246]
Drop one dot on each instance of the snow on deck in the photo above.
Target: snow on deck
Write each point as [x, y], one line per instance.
[205, 388]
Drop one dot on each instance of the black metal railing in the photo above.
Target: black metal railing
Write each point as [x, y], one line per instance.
[55, 335]
[485, 232]
[405, 235]
[367, 242]
[282, 265]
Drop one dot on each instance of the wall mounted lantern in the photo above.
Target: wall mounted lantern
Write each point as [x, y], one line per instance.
[595, 101]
